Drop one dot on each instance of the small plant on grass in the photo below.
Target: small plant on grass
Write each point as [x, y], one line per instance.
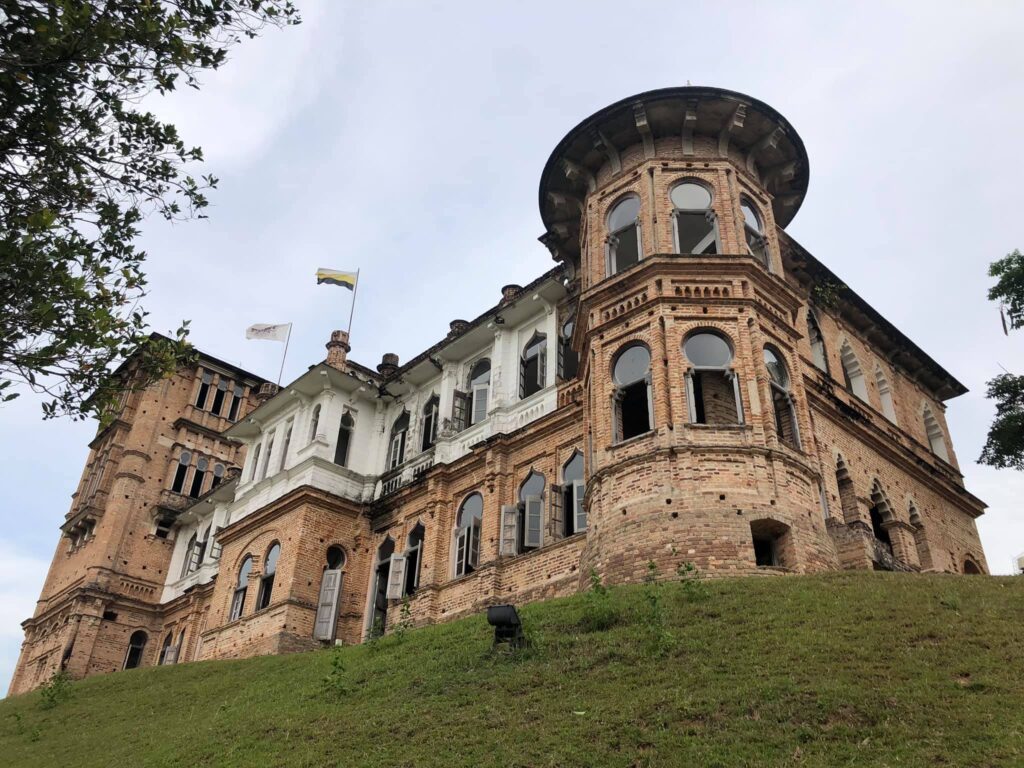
[375, 634]
[335, 683]
[404, 620]
[692, 581]
[659, 639]
[598, 612]
[55, 691]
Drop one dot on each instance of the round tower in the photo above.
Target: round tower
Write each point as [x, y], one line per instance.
[665, 208]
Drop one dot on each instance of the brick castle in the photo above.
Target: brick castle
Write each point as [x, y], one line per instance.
[688, 384]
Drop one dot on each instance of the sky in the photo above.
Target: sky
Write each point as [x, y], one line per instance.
[407, 139]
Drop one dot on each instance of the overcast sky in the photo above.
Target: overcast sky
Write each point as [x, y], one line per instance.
[407, 139]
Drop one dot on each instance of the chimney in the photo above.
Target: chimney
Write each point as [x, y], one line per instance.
[388, 364]
[509, 293]
[337, 350]
[266, 391]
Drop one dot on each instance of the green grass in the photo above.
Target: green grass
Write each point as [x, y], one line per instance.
[838, 670]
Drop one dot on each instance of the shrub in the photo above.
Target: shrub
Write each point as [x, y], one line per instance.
[598, 612]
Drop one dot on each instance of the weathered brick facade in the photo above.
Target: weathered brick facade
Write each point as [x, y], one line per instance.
[815, 440]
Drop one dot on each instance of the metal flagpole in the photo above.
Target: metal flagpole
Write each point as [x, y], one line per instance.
[353, 310]
[288, 338]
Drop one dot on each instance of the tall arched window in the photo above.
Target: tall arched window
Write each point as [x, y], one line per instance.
[712, 386]
[568, 359]
[696, 229]
[632, 408]
[467, 534]
[522, 525]
[218, 397]
[817, 342]
[136, 647]
[753, 233]
[413, 559]
[479, 390]
[430, 413]
[255, 461]
[190, 552]
[236, 402]
[344, 439]
[314, 423]
[533, 365]
[786, 426]
[219, 470]
[379, 609]
[204, 390]
[881, 516]
[573, 490]
[325, 623]
[181, 472]
[241, 587]
[885, 394]
[624, 235]
[267, 579]
[199, 478]
[853, 376]
[847, 493]
[396, 445]
[168, 642]
[936, 438]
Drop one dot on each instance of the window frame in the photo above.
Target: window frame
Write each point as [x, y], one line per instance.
[430, 415]
[241, 589]
[535, 348]
[709, 214]
[785, 392]
[466, 537]
[620, 390]
[613, 236]
[475, 390]
[758, 235]
[266, 591]
[728, 371]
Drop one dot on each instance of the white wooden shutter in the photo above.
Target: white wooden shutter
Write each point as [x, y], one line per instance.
[556, 521]
[460, 411]
[171, 655]
[460, 552]
[534, 534]
[327, 606]
[396, 577]
[480, 392]
[509, 523]
[542, 366]
[474, 544]
[578, 491]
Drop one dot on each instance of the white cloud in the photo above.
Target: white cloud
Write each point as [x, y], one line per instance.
[21, 580]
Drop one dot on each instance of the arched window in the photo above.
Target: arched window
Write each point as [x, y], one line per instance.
[181, 471]
[162, 658]
[971, 568]
[190, 556]
[413, 559]
[786, 427]
[314, 423]
[568, 359]
[236, 402]
[936, 438]
[379, 609]
[255, 461]
[335, 558]
[429, 436]
[712, 386]
[880, 516]
[522, 526]
[218, 397]
[817, 342]
[573, 490]
[624, 235]
[753, 233]
[696, 229]
[632, 408]
[199, 478]
[344, 439]
[533, 366]
[287, 444]
[479, 390]
[267, 579]
[853, 376]
[204, 390]
[773, 543]
[847, 493]
[241, 587]
[885, 394]
[396, 446]
[467, 534]
[136, 647]
[219, 470]
[325, 624]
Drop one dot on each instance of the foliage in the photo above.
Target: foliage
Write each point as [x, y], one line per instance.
[55, 691]
[849, 669]
[826, 293]
[82, 162]
[404, 620]
[599, 614]
[692, 581]
[659, 639]
[1009, 288]
[335, 682]
[1004, 447]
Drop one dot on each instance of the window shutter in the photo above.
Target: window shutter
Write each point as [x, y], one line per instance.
[650, 402]
[556, 521]
[522, 377]
[327, 606]
[460, 411]
[171, 655]
[617, 415]
[509, 524]
[533, 536]
[578, 491]
[396, 577]
[480, 393]
[562, 344]
[474, 544]
[460, 552]
[542, 366]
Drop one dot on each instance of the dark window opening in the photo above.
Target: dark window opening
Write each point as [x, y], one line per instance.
[218, 475]
[696, 232]
[772, 542]
[335, 558]
[632, 397]
[241, 588]
[413, 558]
[568, 359]
[429, 436]
[764, 551]
[467, 539]
[971, 568]
[110, 615]
[396, 451]
[379, 614]
[162, 659]
[267, 580]
[714, 398]
[181, 472]
[574, 515]
[198, 478]
[236, 403]
[634, 414]
[878, 528]
[136, 648]
[532, 366]
[163, 527]
[204, 391]
[624, 235]
[344, 439]
[218, 397]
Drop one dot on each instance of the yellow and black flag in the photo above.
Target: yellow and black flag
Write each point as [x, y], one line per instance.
[334, 277]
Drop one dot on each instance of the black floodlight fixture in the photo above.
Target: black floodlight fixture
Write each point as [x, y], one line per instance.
[507, 626]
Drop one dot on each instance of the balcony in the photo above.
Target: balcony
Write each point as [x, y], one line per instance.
[410, 472]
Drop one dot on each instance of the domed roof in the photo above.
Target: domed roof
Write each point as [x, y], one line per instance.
[773, 150]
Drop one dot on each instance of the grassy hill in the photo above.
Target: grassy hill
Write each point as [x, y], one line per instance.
[838, 670]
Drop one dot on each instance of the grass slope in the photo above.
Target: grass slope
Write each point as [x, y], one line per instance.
[838, 670]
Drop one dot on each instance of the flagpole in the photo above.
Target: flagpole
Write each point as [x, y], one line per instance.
[288, 338]
[352, 311]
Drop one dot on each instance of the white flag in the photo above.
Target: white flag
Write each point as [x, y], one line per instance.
[269, 331]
